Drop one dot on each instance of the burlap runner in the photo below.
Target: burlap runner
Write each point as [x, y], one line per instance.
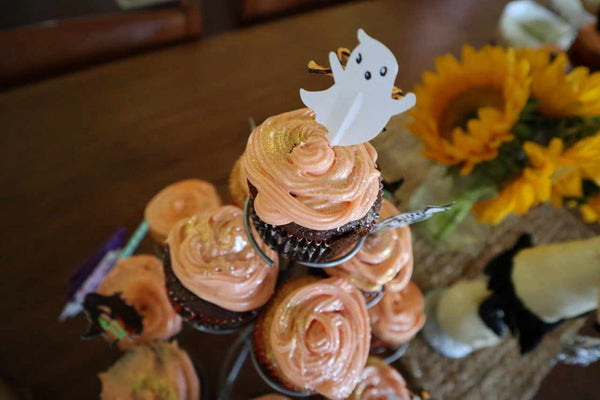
[499, 372]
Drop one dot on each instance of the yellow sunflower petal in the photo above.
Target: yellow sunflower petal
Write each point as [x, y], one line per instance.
[560, 94]
[591, 210]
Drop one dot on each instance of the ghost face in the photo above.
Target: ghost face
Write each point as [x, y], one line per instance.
[371, 67]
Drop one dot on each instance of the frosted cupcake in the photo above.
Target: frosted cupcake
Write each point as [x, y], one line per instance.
[179, 200]
[238, 184]
[314, 336]
[158, 371]
[397, 317]
[385, 259]
[379, 381]
[141, 283]
[215, 279]
[310, 201]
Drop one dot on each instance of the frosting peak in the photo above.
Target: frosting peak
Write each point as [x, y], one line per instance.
[385, 259]
[179, 200]
[315, 156]
[301, 178]
[211, 257]
[141, 282]
[320, 337]
[379, 381]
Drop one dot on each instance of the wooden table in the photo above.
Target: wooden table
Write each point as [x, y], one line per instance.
[83, 153]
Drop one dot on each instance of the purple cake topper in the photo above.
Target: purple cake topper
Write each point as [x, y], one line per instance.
[89, 276]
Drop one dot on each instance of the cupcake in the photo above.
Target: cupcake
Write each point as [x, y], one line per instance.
[314, 336]
[215, 279]
[238, 184]
[385, 258]
[397, 317]
[141, 283]
[379, 381]
[156, 371]
[310, 201]
[179, 200]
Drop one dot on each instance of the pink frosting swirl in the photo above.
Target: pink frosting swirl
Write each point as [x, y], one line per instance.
[212, 257]
[301, 178]
[141, 282]
[160, 371]
[385, 258]
[320, 337]
[379, 381]
[398, 316]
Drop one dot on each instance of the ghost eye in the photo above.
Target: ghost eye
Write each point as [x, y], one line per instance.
[358, 58]
[367, 75]
[383, 71]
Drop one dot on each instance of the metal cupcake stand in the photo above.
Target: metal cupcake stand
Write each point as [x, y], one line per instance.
[242, 347]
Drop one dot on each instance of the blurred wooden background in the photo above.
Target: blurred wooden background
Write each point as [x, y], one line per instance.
[63, 108]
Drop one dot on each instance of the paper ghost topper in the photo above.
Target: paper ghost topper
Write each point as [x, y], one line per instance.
[359, 104]
[111, 314]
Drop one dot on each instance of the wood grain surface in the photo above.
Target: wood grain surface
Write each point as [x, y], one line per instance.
[82, 154]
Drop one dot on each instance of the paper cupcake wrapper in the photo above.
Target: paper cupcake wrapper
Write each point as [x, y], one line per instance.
[201, 314]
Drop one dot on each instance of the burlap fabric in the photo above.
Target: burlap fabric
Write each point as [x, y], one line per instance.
[500, 372]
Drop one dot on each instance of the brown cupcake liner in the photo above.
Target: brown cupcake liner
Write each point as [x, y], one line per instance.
[289, 246]
[201, 314]
[307, 245]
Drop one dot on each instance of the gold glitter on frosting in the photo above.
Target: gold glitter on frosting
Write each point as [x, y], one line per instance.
[385, 259]
[212, 257]
[320, 337]
[161, 371]
[301, 178]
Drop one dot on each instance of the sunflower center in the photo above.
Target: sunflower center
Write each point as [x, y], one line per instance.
[464, 106]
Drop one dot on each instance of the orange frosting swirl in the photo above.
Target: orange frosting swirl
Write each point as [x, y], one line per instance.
[385, 258]
[398, 316]
[320, 337]
[212, 257]
[379, 381]
[238, 184]
[301, 178]
[141, 282]
[179, 200]
[161, 371]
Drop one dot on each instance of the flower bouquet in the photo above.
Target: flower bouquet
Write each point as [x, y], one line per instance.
[512, 129]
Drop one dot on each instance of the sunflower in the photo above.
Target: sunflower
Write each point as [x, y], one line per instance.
[591, 210]
[533, 187]
[585, 156]
[576, 94]
[553, 173]
[573, 165]
[466, 109]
